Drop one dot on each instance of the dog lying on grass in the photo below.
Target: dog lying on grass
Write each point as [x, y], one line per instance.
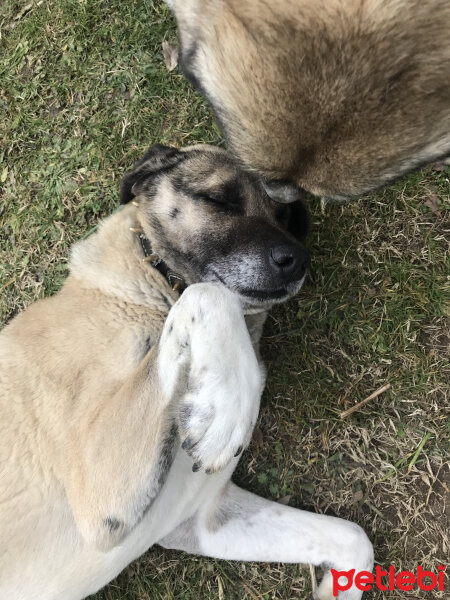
[124, 406]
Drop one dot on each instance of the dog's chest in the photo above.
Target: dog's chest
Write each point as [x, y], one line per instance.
[135, 333]
[183, 494]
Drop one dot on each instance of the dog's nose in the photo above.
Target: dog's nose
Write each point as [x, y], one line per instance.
[290, 260]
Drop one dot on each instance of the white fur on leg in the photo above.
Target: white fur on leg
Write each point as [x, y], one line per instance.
[205, 338]
[241, 526]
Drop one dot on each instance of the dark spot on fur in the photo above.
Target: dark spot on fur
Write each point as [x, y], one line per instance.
[185, 416]
[166, 302]
[112, 523]
[170, 329]
[147, 345]
[167, 454]
[174, 213]
[194, 386]
[192, 319]
[221, 517]
[396, 79]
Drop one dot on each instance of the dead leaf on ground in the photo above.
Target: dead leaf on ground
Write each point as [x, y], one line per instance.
[285, 500]
[358, 496]
[170, 54]
[258, 438]
[432, 202]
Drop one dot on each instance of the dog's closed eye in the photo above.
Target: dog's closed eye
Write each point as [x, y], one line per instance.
[216, 198]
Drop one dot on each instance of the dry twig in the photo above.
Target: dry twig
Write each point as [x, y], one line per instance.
[375, 394]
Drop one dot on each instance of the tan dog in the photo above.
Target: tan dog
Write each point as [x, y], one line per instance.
[124, 407]
[337, 96]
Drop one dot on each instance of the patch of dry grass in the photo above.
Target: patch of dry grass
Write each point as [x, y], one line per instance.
[83, 91]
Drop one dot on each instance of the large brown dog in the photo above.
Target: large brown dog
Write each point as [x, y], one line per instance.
[336, 96]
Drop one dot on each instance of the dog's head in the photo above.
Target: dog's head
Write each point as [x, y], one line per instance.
[337, 97]
[210, 221]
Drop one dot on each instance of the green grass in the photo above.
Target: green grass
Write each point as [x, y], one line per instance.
[83, 92]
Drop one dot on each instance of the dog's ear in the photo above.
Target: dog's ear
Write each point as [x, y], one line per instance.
[294, 217]
[157, 159]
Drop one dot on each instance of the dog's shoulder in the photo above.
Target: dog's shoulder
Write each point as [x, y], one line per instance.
[110, 261]
[84, 341]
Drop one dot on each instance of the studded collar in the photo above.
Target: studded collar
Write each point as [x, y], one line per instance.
[176, 282]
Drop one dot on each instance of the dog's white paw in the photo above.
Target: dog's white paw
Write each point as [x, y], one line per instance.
[339, 583]
[326, 591]
[206, 334]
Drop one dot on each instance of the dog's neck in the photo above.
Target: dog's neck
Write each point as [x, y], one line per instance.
[111, 260]
[114, 260]
[176, 281]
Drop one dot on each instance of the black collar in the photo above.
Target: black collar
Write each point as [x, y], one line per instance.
[175, 281]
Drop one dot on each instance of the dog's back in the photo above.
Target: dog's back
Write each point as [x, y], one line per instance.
[338, 96]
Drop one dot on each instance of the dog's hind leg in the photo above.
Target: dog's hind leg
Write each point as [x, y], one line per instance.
[241, 526]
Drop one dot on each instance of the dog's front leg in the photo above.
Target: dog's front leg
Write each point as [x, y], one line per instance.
[202, 379]
[238, 525]
[206, 335]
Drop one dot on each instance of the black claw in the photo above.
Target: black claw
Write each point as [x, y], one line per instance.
[238, 451]
[196, 466]
[187, 442]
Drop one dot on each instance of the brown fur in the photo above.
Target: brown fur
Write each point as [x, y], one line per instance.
[337, 96]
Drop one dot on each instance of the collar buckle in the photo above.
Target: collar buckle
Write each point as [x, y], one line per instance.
[153, 259]
[175, 281]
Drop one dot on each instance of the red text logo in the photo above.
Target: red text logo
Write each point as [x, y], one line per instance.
[388, 580]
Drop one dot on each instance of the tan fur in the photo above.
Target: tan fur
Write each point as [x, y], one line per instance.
[337, 96]
[124, 408]
[71, 366]
[89, 419]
